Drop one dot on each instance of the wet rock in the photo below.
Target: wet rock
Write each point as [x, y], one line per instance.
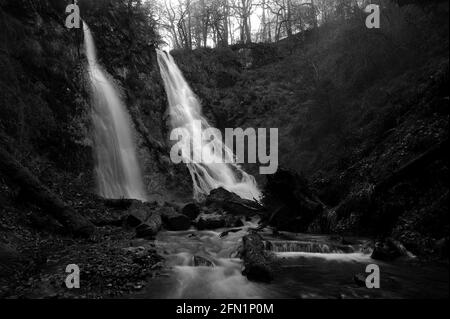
[145, 231]
[389, 249]
[291, 203]
[225, 233]
[238, 223]
[210, 221]
[233, 221]
[173, 220]
[146, 220]
[138, 213]
[154, 222]
[220, 198]
[258, 264]
[441, 247]
[191, 210]
[174, 205]
[202, 261]
[360, 279]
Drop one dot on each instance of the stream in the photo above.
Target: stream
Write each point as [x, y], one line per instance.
[310, 266]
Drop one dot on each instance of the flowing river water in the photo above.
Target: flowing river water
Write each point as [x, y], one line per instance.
[310, 266]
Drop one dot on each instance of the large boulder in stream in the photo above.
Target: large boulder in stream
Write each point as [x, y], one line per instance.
[389, 249]
[258, 263]
[231, 203]
[174, 220]
[210, 221]
[291, 203]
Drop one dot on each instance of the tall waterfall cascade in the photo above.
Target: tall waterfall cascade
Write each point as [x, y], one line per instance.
[185, 111]
[117, 171]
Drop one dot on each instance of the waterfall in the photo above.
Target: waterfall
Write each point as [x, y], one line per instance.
[185, 111]
[306, 246]
[117, 170]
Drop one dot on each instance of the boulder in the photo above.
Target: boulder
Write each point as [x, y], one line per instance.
[233, 221]
[210, 221]
[191, 210]
[258, 264]
[220, 198]
[137, 214]
[221, 195]
[441, 247]
[147, 221]
[389, 249]
[145, 231]
[291, 204]
[360, 279]
[173, 220]
[225, 233]
[202, 261]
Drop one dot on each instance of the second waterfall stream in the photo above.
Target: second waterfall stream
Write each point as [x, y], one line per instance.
[117, 168]
[185, 111]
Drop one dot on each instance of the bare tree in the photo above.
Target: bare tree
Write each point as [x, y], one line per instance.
[243, 9]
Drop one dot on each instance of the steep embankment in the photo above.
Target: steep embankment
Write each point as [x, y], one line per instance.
[363, 114]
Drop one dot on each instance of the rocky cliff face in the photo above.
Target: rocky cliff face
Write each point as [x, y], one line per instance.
[45, 114]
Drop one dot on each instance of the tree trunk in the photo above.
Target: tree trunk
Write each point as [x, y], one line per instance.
[263, 22]
[288, 19]
[247, 30]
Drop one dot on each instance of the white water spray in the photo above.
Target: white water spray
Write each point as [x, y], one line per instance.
[185, 110]
[117, 170]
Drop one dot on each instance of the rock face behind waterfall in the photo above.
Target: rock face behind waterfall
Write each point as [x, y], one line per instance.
[291, 204]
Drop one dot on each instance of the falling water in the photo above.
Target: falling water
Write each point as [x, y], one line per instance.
[185, 111]
[117, 170]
